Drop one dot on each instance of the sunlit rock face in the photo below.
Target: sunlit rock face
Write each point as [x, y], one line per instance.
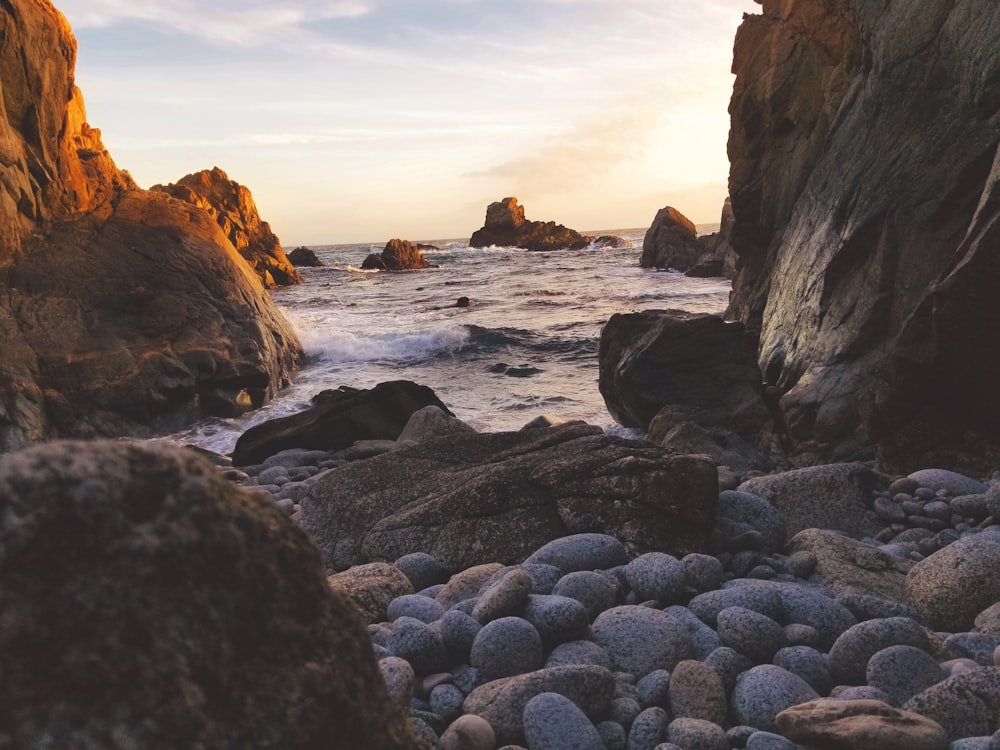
[122, 311]
[233, 208]
[864, 185]
[506, 226]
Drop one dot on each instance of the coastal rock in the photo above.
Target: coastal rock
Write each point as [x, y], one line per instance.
[867, 216]
[372, 587]
[337, 419]
[121, 310]
[719, 254]
[304, 257]
[398, 255]
[148, 602]
[497, 497]
[506, 227]
[966, 704]
[664, 370]
[233, 208]
[671, 242]
[860, 725]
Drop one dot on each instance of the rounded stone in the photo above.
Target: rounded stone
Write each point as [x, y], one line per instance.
[696, 691]
[756, 596]
[503, 598]
[624, 710]
[505, 647]
[422, 570]
[466, 584]
[446, 701]
[770, 741]
[554, 722]
[654, 689]
[613, 735]
[950, 481]
[755, 512]
[649, 729]
[902, 672]
[595, 591]
[703, 572]
[811, 665]
[966, 705]
[729, 665]
[419, 644]
[861, 693]
[640, 639]
[703, 638]
[469, 732]
[578, 652]
[556, 618]
[658, 576]
[761, 693]
[458, 631]
[543, 577]
[581, 552]
[697, 734]
[802, 635]
[755, 635]
[988, 621]
[399, 679]
[850, 653]
[414, 605]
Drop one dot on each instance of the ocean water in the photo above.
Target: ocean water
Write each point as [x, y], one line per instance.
[526, 345]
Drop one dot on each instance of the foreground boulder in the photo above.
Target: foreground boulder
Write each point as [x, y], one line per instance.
[867, 217]
[506, 226]
[671, 242]
[150, 603]
[122, 311]
[233, 208]
[496, 497]
[398, 255]
[338, 419]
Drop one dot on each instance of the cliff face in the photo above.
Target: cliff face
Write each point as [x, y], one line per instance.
[233, 208]
[121, 310]
[864, 148]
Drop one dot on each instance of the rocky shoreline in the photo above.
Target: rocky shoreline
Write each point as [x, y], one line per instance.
[891, 639]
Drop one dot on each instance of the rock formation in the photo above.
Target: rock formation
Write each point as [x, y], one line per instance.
[233, 208]
[398, 255]
[865, 186]
[148, 602]
[121, 310]
[304, 257]
[495, 497]
[506, 227]
[671, 242]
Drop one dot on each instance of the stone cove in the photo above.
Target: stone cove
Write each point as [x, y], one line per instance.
[788, 539]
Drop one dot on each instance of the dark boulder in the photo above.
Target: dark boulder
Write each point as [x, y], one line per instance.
[611, 242]
[671, 242]
[148, 602]
[469, 499]
[719, 258]
[337, 419]
[506, 227]
[303, 257]
[398, 255]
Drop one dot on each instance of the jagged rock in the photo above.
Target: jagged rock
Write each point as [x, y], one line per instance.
[506, 226]
[303, 257]
[121, 310]
[233, 208]
[675, 372]
[867, 218]
[338, 419]
[149, 602]
[398, 255]
[611, 242]
[468, 499]
[671, 242]
[719, 254]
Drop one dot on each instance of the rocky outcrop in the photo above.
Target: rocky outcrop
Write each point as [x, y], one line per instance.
[398, 255]
[148, 602]
[337, 419]
[865, 186]
[719, 258]
[303, 257]
[233, 208]
[468, 499]
[506, 227]
[671, 242]
[121, 310]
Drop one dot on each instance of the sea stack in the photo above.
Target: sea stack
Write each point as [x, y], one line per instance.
[506, 227]
[398, 255]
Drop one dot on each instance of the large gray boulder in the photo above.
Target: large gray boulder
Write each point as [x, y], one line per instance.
[149, 602]
[469, 499]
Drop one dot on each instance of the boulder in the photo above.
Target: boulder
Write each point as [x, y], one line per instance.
[671, 242]
[860, 725]
[689, 378]
[398, 255]
[337, 419]
[611, 242]
[149, 602]
[122, 311]
[372, 587]
[867, 214]
[468, 499]
[506, 227]
[233, 208]
[304, 257]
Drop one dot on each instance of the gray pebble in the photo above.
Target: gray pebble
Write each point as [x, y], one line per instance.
[639, 639]
[613, 735]
[770, 741]
[703, 638]
[763, 599]
[697, 734]
[739, 735]
[754, 635]
[554, 722]
[556, 618]
[802, 635]
[979, 647]
[889, 511]
[801, 564]
[850, 653]
[581, 552]
[703, 572]
[422, 570]
[424, 731]
[578, 652]
[399, 678]
[811, 665]
[761, 693]
[543, 577]
[902, 672]
[868, 607]
[506, 647]
[624, 710]
[414, 605]
[458, 631]
[654, 689]
[729, 665]
[952, 482]
[446, 701]
[755, 512]
[597, 592]
[649, 729]
[971, 506]
[419, 644]
[466, 678]
[966, 705]
[860, 693]
[657, 576]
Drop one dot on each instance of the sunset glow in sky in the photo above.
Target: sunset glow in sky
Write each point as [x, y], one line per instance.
[362, 120]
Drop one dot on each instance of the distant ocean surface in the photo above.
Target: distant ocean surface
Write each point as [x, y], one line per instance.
[526, 345]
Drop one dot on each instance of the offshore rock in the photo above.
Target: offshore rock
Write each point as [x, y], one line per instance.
[303, 257]
[671, 242]
[398, 255]
[149, 602]
[867, 217]
[121, 311]
[506, 226]
[338, 419]
[469, 499]
[233, 208]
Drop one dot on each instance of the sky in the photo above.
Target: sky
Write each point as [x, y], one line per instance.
[363, 120]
